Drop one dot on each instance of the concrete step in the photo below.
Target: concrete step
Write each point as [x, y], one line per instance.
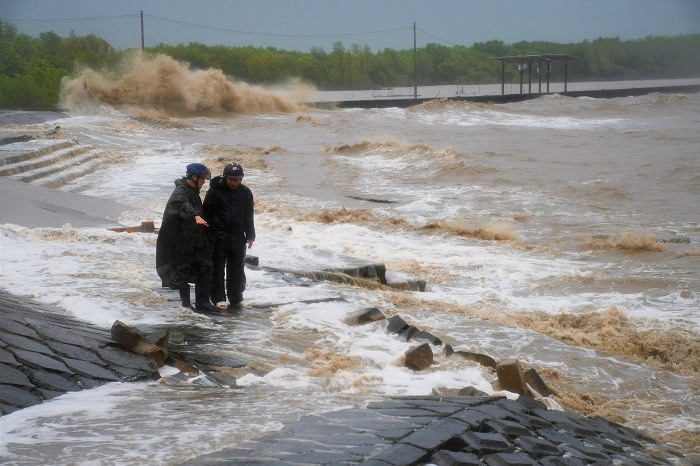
[41, 161]
[59, 179]
[63, 166]
[10, 139]
[26, 150]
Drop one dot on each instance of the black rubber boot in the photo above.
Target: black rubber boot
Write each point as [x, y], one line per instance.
[236, 303]
[206, 307]
[201, 291]
[185, 296]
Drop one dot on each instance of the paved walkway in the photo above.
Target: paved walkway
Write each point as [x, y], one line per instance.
[33, 206]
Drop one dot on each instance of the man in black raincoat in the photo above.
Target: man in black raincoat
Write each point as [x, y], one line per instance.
[228, 206]
[183, 248]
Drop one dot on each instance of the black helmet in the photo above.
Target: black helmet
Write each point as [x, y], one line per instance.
[233, 170]
[198, 169]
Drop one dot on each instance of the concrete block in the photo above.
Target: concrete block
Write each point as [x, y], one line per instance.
[10, 375]
[401, 454]
[455, 458]
[511, 376]
[419, 357]
[509, 459]
[482, 443]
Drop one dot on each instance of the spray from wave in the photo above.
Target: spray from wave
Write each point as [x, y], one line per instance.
[305, 118]
[249, 157]
[610, 330]
[445, 104]
[626, 242]
[493, 232]
[391, 147]
[159, 82]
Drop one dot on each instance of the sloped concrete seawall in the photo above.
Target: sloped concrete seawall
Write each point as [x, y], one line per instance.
[44, 354]
[459, 430]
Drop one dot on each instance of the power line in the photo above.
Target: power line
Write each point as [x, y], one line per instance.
[436, 37]
[214, 28]
[98, 18]
[158, 18]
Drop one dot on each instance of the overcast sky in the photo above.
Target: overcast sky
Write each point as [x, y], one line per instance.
[302, 24]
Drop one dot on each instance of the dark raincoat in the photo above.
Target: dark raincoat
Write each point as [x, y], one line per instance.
[229, 213]
[183, 249]
[230, 216]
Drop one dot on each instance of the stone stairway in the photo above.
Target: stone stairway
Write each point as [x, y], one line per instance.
[50, 162]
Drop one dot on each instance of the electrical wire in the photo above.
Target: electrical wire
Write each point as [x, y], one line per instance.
[158, 18]
[98, 18]
[236, 31]
[436, 37]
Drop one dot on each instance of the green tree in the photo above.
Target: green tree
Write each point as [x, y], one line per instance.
[91, 51]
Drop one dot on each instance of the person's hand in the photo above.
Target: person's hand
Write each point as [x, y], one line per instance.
[200, 221]
[250, 244]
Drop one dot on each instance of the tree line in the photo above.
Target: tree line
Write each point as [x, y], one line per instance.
[31, 68]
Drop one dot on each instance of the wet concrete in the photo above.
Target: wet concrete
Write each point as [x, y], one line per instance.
[44, 354]
[458, 430]
[34, 206]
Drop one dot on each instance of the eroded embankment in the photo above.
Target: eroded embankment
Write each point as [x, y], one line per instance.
[609, 331]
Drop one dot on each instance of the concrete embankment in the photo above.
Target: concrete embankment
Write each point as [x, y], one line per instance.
[405, 102]
[453, 430]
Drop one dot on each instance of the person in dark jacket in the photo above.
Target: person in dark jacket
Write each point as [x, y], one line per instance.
[183, 248]
[229, 207]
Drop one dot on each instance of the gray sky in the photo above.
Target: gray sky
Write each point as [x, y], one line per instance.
[302, 24]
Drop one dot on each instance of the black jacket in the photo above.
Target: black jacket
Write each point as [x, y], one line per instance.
[229, 213]
[180, 237]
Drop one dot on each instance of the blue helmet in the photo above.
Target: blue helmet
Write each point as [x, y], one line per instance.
[198, 169]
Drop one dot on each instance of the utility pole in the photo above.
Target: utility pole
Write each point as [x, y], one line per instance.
[142, 44]
[415, 87]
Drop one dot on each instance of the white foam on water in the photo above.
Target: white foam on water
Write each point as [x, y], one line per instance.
[139, 423]
[482, 272]
[96, 275]
[472, 117]
[146, 176]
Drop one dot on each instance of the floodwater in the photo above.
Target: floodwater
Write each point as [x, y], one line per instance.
[559, 231]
